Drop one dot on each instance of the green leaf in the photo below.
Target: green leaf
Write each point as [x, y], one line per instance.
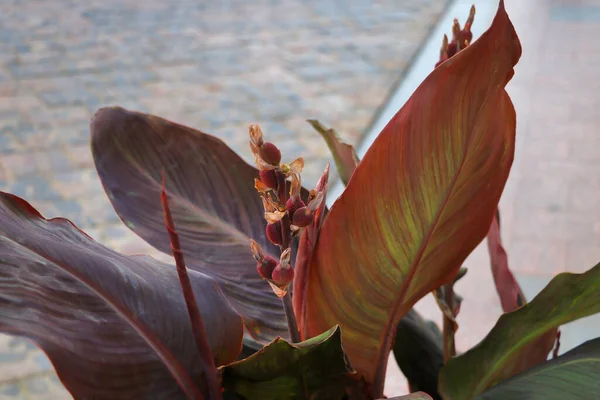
[283, 371]
[574, 375]
[344, 154]
[566, 298]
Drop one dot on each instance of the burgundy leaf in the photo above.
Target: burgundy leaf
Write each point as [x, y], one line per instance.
[212, 197]
[115, 327]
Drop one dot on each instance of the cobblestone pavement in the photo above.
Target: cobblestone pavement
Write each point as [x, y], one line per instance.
[216, 66]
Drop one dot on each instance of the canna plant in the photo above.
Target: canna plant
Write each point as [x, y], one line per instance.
[275, 296]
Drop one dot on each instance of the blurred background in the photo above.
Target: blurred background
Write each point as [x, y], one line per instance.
[220, 65]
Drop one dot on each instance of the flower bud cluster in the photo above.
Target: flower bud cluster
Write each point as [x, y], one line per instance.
[461, 38]
[285, 211]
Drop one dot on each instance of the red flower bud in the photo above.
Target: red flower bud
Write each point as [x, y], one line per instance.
[268, 177]
[270, 153]
[273, 232]
[266, 266]
[452, 49]
[282, 275]
[302, 217]
[294, 203]
[464, 38]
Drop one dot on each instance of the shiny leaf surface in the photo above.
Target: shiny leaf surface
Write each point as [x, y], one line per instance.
[213, 201]
[283, 371]
[115, 327]
[566, 298]
[574, 375]
[418, 203]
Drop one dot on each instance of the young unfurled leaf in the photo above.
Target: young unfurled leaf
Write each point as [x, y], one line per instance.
[214, 204]
[509, 344]
[574, 375]
[288, 371]
[509, 291]
[344, 154]
[115, 327]
[418, 203]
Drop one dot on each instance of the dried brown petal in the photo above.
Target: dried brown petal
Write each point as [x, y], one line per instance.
[285, 257]
[316, 201]
[296, 185]
[296, 166]
[262, 164]
[268, 204]
[257, 252]
[256, 135]
[260, 186]
[274, 216]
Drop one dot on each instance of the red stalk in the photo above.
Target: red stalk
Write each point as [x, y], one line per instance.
[210, 370]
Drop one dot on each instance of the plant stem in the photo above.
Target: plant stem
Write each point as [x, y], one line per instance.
[449, 325]
[287, 238]
[210, 370]
[291, 318]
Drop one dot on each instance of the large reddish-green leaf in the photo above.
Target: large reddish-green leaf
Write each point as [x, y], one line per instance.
[574, 375]
[419, 202]
[509, 344]
[212, 197]
[115, 327]
[509, 291]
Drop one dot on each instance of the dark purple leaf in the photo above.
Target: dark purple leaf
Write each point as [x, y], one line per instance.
[115, 327]
[213, 201]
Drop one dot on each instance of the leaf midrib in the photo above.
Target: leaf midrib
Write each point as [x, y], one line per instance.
[386, 333]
